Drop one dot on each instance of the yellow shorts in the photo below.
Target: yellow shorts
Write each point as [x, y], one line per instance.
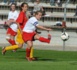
[19, 37]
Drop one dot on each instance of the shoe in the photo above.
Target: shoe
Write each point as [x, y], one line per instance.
[28, 58]
[34, 58]
[3, 51]
[14, 50]
[49, 36]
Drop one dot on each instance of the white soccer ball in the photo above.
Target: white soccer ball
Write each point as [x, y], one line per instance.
[64, 36]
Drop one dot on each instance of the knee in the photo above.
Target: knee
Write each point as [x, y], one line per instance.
[37, 37]
[29, 45]
[7, 37]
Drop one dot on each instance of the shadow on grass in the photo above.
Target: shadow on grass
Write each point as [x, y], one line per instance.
[44, 59]
[21, 51]
[73, 63]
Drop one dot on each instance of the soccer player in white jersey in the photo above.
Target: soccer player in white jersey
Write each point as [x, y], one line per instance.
[12, 30]
[29, 33]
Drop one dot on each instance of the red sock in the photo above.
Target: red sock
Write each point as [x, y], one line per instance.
[28, 52]
[12, 42]
[42, 39]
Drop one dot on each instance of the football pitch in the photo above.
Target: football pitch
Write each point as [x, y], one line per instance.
[47, 60]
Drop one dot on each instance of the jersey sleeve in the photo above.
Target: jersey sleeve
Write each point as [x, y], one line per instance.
[20, 18]
[35, 23]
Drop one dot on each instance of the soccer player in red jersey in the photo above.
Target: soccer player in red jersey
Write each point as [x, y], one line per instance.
[20, 21]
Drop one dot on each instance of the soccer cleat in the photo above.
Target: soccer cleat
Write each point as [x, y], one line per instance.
[33, 59]
[14, 50]
[28, 58]
[3, 51]
[49, 36]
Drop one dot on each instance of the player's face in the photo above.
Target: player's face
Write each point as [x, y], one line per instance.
[38, 16]
[25, 7]
[13, 7]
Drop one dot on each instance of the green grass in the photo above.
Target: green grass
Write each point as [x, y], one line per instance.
[47, 60]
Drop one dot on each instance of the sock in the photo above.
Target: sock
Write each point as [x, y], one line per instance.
[12, 42]
[11, 47]
[42, 39]
[31, 53]
[28, 52]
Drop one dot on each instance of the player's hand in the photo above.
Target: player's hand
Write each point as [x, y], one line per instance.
[8, 23]
[11, 20]
[49, 29]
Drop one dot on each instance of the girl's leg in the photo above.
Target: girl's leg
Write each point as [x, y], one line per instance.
[10, 39]
[42, 39]
[28, 50]
[13, 47]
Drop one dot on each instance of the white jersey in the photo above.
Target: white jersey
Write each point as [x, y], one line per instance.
[30, 25]
[13, 15]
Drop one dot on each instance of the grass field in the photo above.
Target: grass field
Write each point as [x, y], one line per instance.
[47, 60]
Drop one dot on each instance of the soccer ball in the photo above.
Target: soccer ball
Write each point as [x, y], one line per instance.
[64, 36]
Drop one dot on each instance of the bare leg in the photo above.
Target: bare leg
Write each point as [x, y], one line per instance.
[10, 39]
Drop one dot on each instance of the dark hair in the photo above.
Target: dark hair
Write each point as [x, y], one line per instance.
[22, 5]
[36, 13]
[12, 4]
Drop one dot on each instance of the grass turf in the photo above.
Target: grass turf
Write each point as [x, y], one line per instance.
[47, 60]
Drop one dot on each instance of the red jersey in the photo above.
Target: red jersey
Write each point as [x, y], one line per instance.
[22, 19]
